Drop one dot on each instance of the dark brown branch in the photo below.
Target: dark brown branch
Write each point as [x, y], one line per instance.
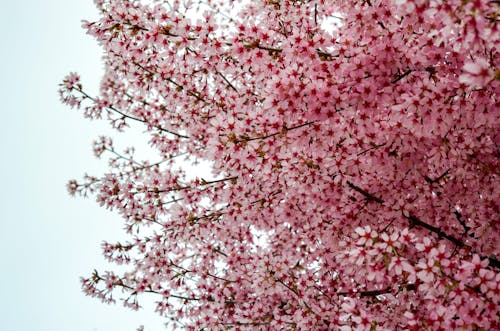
[382, 25]
[458, 216]
[271, 50]
[96, 277]
[323, 55]
[367, 195]
[245, 324]
[120, 156]
[401, 76]
[374, 293]
[205, 182]
[288, 287]
[217, 250]
[415, 221]
[316, 14]
[435, 180]
[375, 146]
[227, 81]
[170, 80]
[285, 129]
[130, 117]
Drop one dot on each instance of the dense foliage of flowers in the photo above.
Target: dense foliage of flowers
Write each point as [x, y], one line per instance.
[354, 153]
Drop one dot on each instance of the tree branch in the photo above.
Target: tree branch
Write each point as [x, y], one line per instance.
[374, 293]
[367, 195]
[415, 221]
[110, 107]
[401, 76]
[285, 129]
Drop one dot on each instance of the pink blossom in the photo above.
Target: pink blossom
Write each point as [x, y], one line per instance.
[476, 73]
[301, 176]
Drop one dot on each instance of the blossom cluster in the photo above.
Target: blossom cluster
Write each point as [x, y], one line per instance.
[353, 171]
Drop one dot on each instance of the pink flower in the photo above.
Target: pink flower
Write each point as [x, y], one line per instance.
[399, 265]
[364, 234]
[427, 271]
[477, 73]
[389, 242]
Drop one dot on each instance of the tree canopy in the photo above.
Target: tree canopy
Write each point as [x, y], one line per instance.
[353, 149]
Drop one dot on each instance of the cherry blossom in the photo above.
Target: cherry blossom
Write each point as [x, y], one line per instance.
[345, 174]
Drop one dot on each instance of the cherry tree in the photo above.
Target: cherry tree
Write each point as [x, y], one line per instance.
[353, 153]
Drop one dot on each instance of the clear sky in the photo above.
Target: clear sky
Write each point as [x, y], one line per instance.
[48, 239]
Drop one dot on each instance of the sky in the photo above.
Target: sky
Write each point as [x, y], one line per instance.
[48, 240]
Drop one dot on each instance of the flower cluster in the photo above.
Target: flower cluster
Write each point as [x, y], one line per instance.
[348, 175]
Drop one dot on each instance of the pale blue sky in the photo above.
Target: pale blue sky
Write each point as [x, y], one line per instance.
[48, 239]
